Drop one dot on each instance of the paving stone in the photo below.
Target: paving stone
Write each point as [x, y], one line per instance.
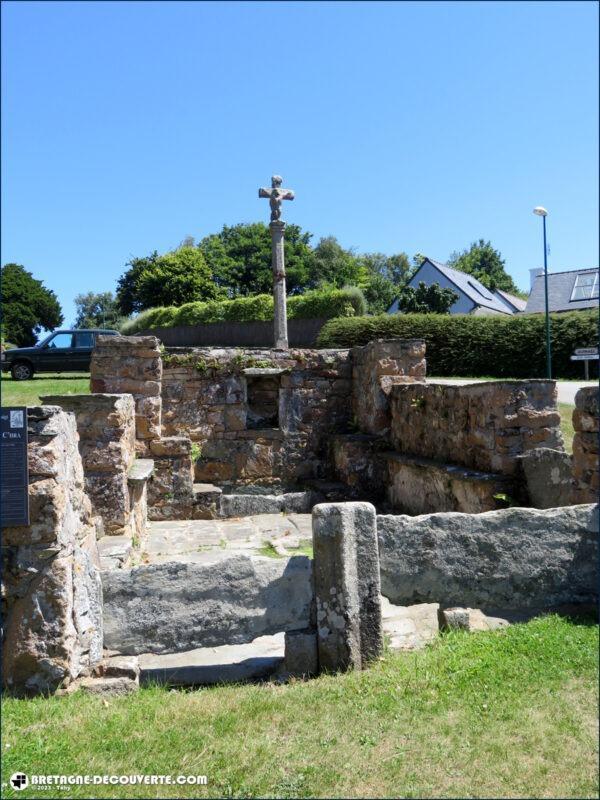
[255, 660]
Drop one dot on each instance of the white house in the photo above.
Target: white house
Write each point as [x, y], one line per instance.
[473, 296]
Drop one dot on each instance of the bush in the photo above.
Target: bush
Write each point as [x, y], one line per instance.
[325, 304]
[462, 345]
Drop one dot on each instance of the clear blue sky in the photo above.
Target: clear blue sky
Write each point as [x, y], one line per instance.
[401, 126]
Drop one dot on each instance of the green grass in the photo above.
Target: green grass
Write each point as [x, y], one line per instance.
[566, 424]
[510, 713]
[27, 393]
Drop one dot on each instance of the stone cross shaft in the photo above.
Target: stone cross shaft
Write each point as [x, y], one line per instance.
[276, 195]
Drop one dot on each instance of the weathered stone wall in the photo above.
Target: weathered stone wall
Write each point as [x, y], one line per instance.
[131, 365]
[516, 558]
[170, 492]
[422, 486]
[357, 460]
[377, 367]
[51, 593]
[106, 427]
[586, 463]
[205, 396]
[482, 426]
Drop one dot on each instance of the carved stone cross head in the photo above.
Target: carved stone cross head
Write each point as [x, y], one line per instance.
[276, 194]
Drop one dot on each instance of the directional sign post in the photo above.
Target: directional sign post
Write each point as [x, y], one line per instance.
[14, 480]
[586, 354]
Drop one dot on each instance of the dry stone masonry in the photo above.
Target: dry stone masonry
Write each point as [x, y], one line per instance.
[131, 365]
[52, 596]
[586, 419]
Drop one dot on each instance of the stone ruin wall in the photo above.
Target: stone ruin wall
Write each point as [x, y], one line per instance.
[241, 416]
[131, 365]
[106, 428]
[257, 415]
[51, 591]
[586, 416]
[376, 368]
[482, 426]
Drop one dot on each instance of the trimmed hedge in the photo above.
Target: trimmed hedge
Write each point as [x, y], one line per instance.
[311, 305]
[463, 345]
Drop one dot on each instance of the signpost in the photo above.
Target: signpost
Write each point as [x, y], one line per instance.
[586, 354]
[14, 480]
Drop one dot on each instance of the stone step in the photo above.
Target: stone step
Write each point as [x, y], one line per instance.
[254, 661]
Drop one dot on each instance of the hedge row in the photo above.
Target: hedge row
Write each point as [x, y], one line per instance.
[311, 305]
[462, 345]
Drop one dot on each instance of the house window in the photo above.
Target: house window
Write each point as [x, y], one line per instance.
[263, 402]
[586, 286]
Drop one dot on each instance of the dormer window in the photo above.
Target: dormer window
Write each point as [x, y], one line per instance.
[585, 287]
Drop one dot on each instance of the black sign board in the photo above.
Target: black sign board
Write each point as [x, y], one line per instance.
[14, 478]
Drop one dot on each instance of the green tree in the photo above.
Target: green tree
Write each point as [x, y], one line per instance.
[486, 264]
[334, 266]
[425, 299]
[173, 279]
[27, 306]
[97, 310]
[240, 259]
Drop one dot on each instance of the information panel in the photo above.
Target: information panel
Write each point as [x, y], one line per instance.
[14, 477]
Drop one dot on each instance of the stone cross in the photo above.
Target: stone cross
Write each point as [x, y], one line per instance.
[276, 195]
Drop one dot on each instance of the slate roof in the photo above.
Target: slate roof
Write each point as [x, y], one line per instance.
[517, 303]
[470, 286]
[560, 287]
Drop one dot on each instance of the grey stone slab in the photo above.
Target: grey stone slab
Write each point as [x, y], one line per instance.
[114, 551]
[140, 470]
[548, 477]
[255, 660]
[176, 606]
[245, 505]
[515, 558]
[409, 627]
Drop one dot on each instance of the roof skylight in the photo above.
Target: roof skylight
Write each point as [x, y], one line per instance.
[585, 287]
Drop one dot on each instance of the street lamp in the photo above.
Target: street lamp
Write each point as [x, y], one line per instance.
[541, 212]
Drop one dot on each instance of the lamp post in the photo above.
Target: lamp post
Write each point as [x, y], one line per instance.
[541, 212]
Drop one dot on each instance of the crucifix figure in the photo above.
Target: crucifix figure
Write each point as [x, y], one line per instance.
[276, 195]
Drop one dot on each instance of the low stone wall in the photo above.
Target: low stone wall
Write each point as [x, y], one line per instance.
[377, 367]
[131, 365]
[106, 427]
[175, 606]
[482, 426]
[513, 559]
[51, 594]
[586, 462]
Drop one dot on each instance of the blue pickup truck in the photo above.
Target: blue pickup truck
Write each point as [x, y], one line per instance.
[61, 351]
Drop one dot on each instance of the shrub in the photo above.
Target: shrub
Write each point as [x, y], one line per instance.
[349, 302]
[462, 345]
[319, 303]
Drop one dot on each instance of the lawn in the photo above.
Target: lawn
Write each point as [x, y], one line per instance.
[511, 713]
[27, 393]
[566, 424]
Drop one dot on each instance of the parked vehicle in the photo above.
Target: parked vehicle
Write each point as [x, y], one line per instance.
[61, 351]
